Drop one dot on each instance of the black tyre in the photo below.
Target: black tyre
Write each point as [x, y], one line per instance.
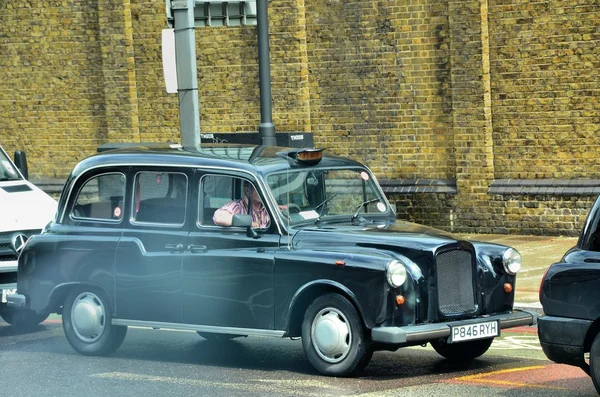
[595, 363]
[462, 352]
[218, 337]
[87, 324]
[333, 337]
[23, 319]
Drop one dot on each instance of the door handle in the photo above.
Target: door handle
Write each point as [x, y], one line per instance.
[174, 247]
[591, 260]
[195, 249]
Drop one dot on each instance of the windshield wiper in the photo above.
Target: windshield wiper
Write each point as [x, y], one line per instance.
[322, 205]
[355, 216]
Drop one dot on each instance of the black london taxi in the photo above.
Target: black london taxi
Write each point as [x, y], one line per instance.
[570, 326]
[135, 243]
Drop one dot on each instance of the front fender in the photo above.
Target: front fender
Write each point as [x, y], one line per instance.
[492, 277]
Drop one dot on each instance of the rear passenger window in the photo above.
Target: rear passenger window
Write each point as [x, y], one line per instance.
[160, 197]
[101, 198]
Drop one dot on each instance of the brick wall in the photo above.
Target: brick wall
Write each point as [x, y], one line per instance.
[379, 84]
[51, 86]
[546, 88]
[468, 91]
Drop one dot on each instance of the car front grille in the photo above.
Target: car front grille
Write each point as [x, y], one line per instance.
[6, 251]
[455, 282]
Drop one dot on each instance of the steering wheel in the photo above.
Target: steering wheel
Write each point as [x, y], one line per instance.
[293, 208]
[289, 209]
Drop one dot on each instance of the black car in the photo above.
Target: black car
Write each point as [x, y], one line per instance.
[569, 296]
[135, 244]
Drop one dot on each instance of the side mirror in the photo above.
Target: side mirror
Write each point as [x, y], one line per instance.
[241, 220]
[244, 220]
[21, 163]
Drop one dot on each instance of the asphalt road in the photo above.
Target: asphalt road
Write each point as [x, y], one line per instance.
[164, 363]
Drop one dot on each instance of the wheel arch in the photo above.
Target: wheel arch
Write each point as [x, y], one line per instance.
[57, 296]
[590, 335]
[307, 294]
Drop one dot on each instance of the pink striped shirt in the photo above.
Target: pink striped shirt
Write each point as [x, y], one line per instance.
[259, 216]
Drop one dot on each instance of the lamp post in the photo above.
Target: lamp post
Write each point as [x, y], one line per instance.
[266, 129]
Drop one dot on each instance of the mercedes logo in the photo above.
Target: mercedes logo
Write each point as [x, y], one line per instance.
[17, 242]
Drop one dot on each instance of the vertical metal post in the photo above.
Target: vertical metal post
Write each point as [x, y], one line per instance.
[187, 79]
[266, 129]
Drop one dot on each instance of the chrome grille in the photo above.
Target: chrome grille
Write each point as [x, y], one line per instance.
[455, 282]
[6, 251]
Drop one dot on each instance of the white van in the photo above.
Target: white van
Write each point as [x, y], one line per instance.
[24, 211]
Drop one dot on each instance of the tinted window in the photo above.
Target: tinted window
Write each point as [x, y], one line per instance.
[160, 197]
[101, 197]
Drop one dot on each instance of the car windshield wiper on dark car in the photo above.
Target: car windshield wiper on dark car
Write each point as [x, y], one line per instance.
[322, 205]
[355, 216]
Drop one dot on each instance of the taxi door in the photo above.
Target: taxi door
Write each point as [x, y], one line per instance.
[149, 255]
[227, 275]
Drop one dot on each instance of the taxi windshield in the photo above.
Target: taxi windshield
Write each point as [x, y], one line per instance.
[334, 194]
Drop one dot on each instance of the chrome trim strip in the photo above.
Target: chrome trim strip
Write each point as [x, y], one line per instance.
[9, 266]
[201, 328]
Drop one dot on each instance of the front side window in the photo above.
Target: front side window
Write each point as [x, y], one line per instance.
[346, 194]
[160, 197]
[223, 196]
[101, 198]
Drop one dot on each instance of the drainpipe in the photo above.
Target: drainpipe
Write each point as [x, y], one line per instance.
[266, 129]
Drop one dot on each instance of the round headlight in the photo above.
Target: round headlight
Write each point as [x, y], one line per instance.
[511, 259]
[396, 273]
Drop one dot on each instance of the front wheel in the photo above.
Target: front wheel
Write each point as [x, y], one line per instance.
[333, 337]
[87, 323]
[23, 319]
[462, 352]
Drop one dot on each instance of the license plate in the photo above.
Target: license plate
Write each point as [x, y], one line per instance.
[6, 292]
[461, 333]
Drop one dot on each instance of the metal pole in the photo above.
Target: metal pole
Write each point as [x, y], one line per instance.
[187, 79]
[266, 129]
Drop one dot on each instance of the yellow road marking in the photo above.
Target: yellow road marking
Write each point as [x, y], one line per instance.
[502, 371]
[480, 378]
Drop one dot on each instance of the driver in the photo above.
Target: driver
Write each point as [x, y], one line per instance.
[260, 217]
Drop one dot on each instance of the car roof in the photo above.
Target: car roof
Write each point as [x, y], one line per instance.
[257, 159]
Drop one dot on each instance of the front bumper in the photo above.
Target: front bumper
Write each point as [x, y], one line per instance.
[3, 289]
[416, 334]
[562, 339]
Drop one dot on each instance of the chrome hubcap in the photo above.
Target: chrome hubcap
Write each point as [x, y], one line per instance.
[88, 317]
[331, 335]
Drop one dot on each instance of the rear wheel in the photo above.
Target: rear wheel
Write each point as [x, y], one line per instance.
[595, 363]
[23, 319]
[333, 337]
[87, 324]
[462, 352]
